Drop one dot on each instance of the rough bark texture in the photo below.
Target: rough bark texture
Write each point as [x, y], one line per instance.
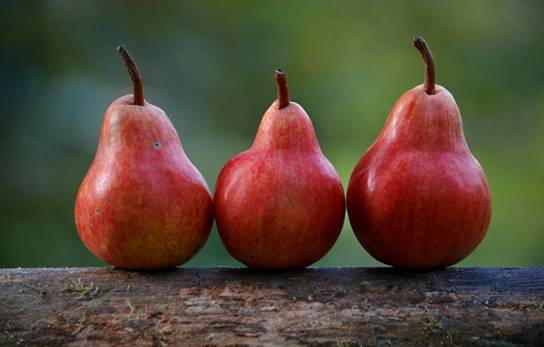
[317, 307]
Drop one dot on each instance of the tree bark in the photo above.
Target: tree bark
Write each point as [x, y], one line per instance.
[316, 307]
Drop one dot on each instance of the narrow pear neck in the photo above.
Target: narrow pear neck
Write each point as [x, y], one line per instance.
[425, 122]
[137, 127]
[288, 128]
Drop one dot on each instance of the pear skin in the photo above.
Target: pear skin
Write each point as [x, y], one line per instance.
[142, 204]
[418, 199]
[280, 205]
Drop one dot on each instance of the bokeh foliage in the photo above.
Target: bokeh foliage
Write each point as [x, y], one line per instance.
[209, 65]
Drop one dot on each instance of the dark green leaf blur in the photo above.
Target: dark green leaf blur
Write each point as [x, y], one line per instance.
[209, 65]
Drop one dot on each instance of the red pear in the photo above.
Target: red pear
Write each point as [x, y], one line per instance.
[142, 204]
[280, 204]
[418, 199]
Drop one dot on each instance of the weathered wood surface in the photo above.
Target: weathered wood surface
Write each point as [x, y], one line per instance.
[329, 307]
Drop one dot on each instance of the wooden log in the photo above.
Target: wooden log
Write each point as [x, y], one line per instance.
[316, 307]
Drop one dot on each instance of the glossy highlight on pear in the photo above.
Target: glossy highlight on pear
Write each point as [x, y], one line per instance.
[142, 204]
[280, 205]
[418, 199]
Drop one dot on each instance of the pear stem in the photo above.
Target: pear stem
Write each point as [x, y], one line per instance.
[134, 75]
[429, 84]
[283, 93]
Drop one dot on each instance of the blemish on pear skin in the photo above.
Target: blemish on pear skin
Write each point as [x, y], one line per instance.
[97, 210]
[157, 144]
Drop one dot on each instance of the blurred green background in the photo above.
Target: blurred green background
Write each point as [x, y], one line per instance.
[209, 65]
